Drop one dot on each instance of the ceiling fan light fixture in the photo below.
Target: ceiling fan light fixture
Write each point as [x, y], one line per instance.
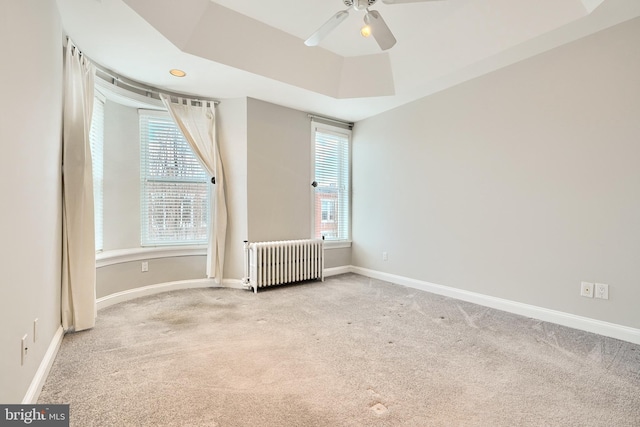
[374, 24]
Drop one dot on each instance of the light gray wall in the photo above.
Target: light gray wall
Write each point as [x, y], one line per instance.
[128, 275]
[519, 184]
[122, 196]
[279, 176]
[232, 140]
[337, 257]
[30, 129]
[122, 211]
[266, 153]
[122, 200]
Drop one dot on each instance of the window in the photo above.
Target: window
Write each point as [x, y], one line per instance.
[328, 208]
[96, 140]
[331, 172]
[174, 186]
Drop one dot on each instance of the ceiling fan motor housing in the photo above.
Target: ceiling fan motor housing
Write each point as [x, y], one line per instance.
[359, 4]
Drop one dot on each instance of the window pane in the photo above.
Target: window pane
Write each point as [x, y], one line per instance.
[331, 168]
[176, 211]
[175, 188]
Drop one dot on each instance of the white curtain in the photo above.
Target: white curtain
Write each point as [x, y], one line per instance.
[198, 124]
[78, 303]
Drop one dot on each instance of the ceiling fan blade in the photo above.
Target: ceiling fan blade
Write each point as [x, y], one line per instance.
[380, 30]
[315, 38]
[406, 1]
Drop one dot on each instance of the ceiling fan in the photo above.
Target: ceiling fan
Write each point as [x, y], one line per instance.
[374, 24]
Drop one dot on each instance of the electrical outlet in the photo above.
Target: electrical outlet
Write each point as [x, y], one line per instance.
[23, 349]
[385, 256]
[35, 329]
[602, 290]
[145, 266]
[586, 289]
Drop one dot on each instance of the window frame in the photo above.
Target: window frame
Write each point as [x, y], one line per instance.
[145, 239]
[345, 242]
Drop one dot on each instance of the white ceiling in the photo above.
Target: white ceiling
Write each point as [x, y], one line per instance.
[239, 48]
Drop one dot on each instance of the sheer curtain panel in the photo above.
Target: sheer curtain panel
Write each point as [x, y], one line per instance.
[198, 124]
[78, 303]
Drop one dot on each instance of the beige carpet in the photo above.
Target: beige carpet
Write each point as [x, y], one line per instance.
[351, 351]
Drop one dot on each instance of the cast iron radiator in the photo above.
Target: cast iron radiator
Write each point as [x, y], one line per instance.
[288, 261]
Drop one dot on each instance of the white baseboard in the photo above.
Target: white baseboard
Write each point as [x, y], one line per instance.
[143, 291]
[337, 270]
[612, 330]
[33, 392]
[600, 327]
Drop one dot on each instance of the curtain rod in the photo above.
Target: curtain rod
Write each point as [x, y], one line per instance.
[149, 91]
[328, 119]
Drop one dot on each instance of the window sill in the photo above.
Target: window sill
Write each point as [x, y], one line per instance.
[120, 256]
[337, 245]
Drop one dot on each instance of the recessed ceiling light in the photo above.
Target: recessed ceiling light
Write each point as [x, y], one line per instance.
[177, 73]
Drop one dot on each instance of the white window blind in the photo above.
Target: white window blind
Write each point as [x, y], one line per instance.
[331, 176]
[174, 186]
[96, 139]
